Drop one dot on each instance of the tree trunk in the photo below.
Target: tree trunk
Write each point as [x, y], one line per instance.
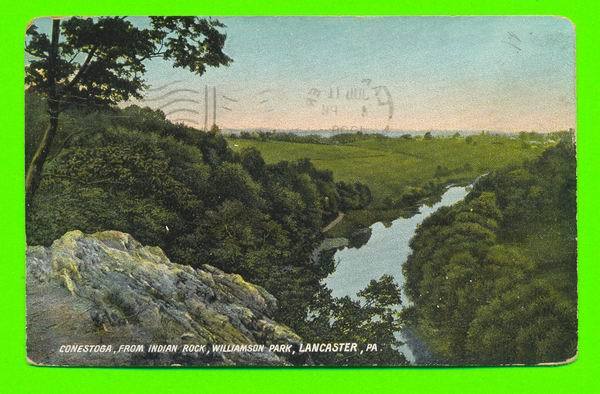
[34, 173]
[36, 166]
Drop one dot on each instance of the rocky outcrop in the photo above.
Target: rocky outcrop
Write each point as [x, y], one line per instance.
[106, 288]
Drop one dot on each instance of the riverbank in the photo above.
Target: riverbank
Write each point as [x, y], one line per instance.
[494, 279]
[384, 253]
[356, 221]
[401, 173]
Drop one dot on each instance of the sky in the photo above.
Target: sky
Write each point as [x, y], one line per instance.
[397, 73]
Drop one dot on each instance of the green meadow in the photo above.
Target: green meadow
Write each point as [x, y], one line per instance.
[392, 166]
[389, 165]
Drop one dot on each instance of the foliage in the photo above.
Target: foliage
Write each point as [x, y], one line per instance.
[493, 279]
[373, 318]
[170, 185]
[100, 61]
[401, 173]
[184, 190]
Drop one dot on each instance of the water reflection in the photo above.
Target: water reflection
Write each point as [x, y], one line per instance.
[383, 250]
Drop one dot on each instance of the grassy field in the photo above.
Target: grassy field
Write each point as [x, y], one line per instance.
[389, 166]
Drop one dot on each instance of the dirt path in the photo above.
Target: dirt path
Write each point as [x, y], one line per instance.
[335, 221]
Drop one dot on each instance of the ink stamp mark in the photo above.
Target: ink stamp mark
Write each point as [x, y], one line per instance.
[372, 103]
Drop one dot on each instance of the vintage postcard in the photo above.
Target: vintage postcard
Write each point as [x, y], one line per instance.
[300, 191]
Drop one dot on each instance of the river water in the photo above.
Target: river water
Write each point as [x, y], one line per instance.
[385, 252]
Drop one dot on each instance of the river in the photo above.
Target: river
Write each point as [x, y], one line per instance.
[385, 252]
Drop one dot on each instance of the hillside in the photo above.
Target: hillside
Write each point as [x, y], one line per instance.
[493, 279]
[186, 192]
[399, 171]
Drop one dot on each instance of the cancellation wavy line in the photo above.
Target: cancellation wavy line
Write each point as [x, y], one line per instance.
[172, 92]
[162, 87]
[176, 111]
[230, 99]
[183, 100]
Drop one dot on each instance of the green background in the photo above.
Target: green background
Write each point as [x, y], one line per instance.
[18, 376]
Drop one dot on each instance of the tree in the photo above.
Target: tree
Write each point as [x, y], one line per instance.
[372, 318]
[100, 62]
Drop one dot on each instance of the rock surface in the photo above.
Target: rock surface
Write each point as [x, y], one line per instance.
[106, 288]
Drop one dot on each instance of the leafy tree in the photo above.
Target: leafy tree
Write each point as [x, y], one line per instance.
[253, 162]
[530, 323]
[373, 318]
[100, 61]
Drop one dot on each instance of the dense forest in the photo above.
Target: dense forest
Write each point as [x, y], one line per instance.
[493, 278]
[184, 190]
